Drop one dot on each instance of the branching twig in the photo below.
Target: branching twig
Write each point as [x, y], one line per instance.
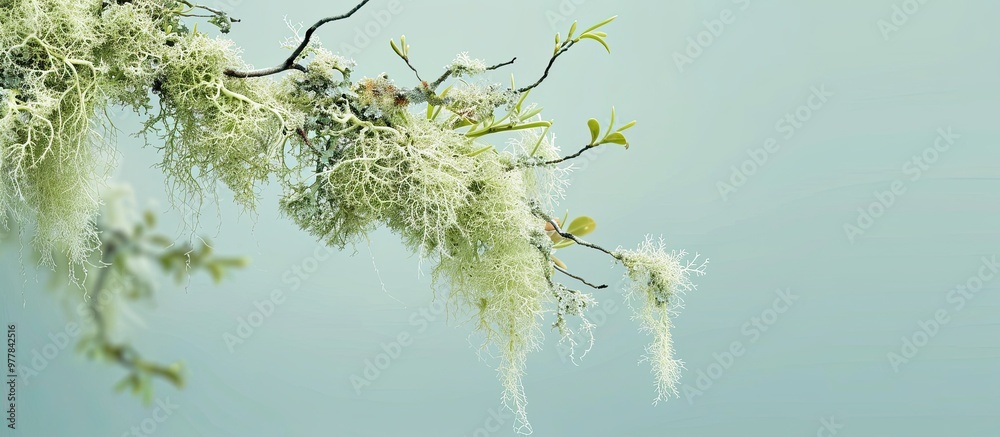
[570, 236]
[566, 45]
[290, 63]
[557, 160]
[212, 10]
[123, 354]
[437, 82]
[567, 273]
[577, 240]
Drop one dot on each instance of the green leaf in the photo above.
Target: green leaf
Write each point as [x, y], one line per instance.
[595, 130]
[123, 384]
[571, 30]
[594, 27]
[480, 151]
[161, 241]
[598, 39]
[532, 125]
[530, 114]
[558, 262]
[566, 242]
[396, 49]
[538, 143]
[217, 272]
[612, 123]
[175, 373]
[626, 126]
[616, 138]
[520, 101]
[581, 226]
[149, 218]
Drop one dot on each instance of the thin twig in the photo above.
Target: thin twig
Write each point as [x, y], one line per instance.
[555, 225]
[563, 159]
[290, 63]
[567, 273]
[212, 10]
[437, 82]
[415, 72]
[305, 139]
[566, 45]
[123, 354]
[577, 240]
[502, 64]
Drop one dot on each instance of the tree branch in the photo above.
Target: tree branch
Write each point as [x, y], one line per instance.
[565, 46]
[289, 63]
[555, 225]
[437, 82]
[415, 72]
[123, 354]
[567, 273]
[577, 240]
[557, 160]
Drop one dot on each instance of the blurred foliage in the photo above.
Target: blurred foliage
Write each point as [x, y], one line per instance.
[133, 260]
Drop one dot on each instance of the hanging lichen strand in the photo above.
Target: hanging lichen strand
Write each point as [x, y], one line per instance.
[352, 156]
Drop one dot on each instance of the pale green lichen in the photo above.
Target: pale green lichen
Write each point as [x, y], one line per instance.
[50, 152]
[350, 156]
[215, 127]
[464, 65]
[657, 281]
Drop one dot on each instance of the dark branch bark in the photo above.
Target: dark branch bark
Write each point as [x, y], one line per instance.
[289, 63]
[577, 240]
[567, 273]
[566, 45]
[415, 72]
[542, 215]
[563, 159]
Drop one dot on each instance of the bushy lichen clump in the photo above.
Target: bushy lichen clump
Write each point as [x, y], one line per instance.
[49, 152]
[657, 281]
[215, 127]
[350, 155]
[63, 62]
[371, 163]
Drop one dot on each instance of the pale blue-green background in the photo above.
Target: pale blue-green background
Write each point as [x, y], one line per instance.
[826, 357]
